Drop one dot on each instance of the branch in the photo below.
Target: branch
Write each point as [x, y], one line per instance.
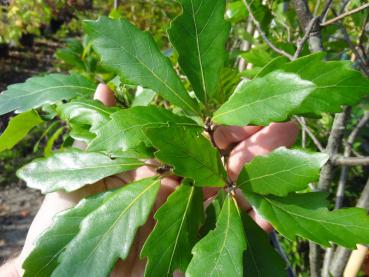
[310, 133]
[326, 176]
[326, 9]
[341, 16]
[350, 161]
[306, 36]
[304, 16]
[342, 184]
[263, 35]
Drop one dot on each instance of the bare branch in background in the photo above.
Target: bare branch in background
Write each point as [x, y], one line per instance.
[326, 9]
[342, 184]
[300, 44]
[310, 133]
[341, 16]
[362, 61]
[304, 16]
[263, 35]
[350, 161]
[326, 176]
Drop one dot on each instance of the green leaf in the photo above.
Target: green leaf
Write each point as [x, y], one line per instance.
[38, 91]
[281, 171]
[44, 257]
[85, 116]
[306, 215]
[220, 252]
[133, 55]
[263, 100]
[336, 82]
[143, 97]
[50, 143]
[125, 129]
[260, 259]
[202, 54]
[72, 170]
[190, 153]
[18, 128]
[169, 245]
[108, 232]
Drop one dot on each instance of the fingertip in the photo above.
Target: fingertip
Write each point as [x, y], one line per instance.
[104, 94]
[226, 135]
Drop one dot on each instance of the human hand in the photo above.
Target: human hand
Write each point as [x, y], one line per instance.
[248, 142]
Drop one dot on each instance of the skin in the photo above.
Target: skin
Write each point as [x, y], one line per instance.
[247, 142]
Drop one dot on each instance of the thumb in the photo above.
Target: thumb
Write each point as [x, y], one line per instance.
[105, 95]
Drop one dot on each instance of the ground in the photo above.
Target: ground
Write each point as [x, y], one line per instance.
[19, 204]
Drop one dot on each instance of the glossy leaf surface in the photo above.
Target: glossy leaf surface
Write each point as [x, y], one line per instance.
[169, 245]
[263, 100]
[108, 232]
[72, 170]
[133, 55]
[202, 54]
[281, 172]
[126, 128]
[85, 117]
[337, 83]
[18, 127]
[220, 252]
[44, 257]
[306, 215]
[190, 153]
[39, 91]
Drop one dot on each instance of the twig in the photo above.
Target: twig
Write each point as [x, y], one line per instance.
[263, 35]
[300, 44]
[326, 9]
[350, 161]
[304, 16]
[341, 16]
[317, 5]
[326, 176]
[310, 133]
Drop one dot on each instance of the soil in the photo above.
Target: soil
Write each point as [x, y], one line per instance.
[19, 204]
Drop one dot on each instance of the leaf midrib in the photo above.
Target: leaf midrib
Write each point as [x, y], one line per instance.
[45, 89]
[180, 229]
[273, 203]
[150, 70]
[120, 216]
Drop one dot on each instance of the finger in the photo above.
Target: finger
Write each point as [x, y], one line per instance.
[264, 141]
[265, 225]
[226, 135]
[105, 95]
